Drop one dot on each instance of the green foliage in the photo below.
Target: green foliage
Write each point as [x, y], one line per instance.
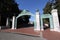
[58, 6]
[8, 8]
[47, 9]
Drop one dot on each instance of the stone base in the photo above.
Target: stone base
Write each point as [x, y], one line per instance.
[12, 28]
[57, 30]
[36, 29]
[51, 29]
[42, 29]
[15, 28]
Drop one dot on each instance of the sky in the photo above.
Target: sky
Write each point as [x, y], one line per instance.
[32, 5]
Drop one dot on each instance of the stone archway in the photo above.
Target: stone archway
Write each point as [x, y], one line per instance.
[24, 12]
[50, 19]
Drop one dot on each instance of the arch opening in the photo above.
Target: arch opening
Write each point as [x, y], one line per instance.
[46, 23]
[23, 22]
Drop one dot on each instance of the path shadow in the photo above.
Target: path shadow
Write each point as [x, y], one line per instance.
[46, 27]
[25, 26]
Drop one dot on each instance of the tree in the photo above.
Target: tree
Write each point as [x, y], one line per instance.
[8, 8]
[47, 9]
[58, 7]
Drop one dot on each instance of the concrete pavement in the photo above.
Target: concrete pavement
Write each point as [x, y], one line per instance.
[12, 36]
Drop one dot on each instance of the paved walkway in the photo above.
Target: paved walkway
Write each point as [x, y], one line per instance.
[51, 35]
[29, 31]
[11, 36]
